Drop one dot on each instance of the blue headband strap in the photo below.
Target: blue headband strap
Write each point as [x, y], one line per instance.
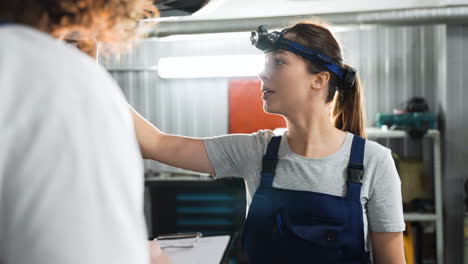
[312, 55]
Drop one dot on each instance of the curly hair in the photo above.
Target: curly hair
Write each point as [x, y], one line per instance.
[113, 22]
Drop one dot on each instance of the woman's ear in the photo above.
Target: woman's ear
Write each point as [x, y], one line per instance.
[320, 80]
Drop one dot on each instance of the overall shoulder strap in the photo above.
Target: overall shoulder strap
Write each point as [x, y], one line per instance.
[356, 168]
[270, 159]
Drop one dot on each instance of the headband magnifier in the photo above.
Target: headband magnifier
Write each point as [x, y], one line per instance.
[267, 42]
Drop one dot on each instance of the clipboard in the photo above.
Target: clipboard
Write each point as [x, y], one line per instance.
[195, 248]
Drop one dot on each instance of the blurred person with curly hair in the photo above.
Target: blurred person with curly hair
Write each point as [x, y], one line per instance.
[71, 174]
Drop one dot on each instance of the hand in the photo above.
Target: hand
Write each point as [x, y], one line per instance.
[157, 255]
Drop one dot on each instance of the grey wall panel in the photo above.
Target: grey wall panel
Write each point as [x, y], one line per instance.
[149, 51]
[145, 54]
[455, 113]
[190, 107]
[394, 64]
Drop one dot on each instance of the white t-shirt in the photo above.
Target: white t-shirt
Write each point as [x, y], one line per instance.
[241, 155]
[71, 175]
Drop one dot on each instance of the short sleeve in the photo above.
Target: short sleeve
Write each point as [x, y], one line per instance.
[385, 208]
[237, 154]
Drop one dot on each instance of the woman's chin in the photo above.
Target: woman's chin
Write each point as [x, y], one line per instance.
[269, 109]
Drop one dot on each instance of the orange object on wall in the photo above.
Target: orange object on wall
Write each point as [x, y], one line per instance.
[246, 113]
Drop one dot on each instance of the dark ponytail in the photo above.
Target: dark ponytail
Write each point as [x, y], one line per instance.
[348, 113]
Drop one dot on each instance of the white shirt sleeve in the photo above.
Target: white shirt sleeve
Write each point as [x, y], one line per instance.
[385, 207]
[235, 155]
[71, 189]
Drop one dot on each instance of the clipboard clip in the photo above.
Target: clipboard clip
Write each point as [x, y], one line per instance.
[181, 240]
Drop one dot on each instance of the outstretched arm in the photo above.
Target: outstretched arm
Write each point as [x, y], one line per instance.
[182, 152]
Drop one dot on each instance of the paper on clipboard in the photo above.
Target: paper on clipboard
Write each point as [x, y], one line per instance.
[208, 250]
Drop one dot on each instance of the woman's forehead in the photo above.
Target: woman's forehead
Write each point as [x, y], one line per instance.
[279, 52]
[285, 53]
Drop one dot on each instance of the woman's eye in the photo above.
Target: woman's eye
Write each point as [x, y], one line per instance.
[278, 62]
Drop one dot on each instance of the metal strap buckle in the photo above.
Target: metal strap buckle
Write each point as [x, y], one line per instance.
[355, 173]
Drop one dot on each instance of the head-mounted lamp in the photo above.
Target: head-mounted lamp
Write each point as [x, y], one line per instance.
[267, 42]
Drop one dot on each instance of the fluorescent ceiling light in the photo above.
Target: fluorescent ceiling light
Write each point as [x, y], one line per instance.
[210, 66]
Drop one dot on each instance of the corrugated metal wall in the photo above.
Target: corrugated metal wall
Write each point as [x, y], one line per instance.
[189, 107]
[454, 116]
[394, 63]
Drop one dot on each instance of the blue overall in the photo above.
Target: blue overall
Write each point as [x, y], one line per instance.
[288, 226]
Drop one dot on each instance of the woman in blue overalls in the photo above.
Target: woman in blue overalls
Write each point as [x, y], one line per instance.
[318, 193]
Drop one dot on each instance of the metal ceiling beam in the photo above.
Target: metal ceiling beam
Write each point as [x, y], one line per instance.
[443, 15]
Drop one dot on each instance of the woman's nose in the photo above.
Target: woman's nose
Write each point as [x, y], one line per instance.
[263, 76]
